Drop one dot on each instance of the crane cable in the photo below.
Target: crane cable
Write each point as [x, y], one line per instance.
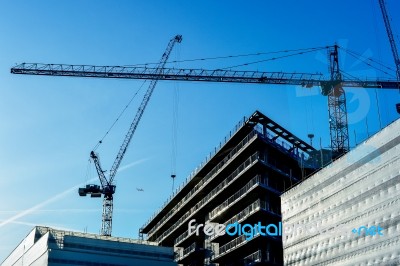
[119, 116]
[369, 62]
[279, 57]
[174, 135]
[309, 109]
[306, 109]
[234, 56]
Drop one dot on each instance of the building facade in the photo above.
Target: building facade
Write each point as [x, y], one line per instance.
[46, 246]
[349, 212]
[239, 183]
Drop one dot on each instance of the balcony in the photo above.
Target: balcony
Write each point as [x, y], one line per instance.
[253, 258]
[257, 180]
[239, 246]
[186, 254]
[183, 237]
[235, 243]
[186, 237]
[246, 213]
[262, 256]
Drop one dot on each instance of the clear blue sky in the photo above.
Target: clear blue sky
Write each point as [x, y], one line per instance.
[48, 125]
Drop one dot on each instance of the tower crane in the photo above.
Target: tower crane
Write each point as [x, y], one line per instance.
[107, 188]
[332, 87]
[390, 36]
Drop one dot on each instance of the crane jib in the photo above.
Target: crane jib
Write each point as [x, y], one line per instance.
[254, 77]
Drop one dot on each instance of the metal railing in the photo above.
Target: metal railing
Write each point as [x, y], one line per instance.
[184, 235]
[210, 175]
[252, 159]
[186, 252]
[231, 244]
[246, 212]
[253, 257]
[238, 241]
[239, 194]
[43, 230]
[255, 206]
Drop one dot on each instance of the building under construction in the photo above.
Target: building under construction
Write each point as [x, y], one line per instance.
[241, 182]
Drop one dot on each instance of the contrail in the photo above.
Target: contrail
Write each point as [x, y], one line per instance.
[123, 168]
[55, 226]
[53, 211]
[42, 211]
[23, 223]
[38, 206]
[59, 196]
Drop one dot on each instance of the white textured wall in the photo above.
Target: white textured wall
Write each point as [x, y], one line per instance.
[360, 189]
[19, 255]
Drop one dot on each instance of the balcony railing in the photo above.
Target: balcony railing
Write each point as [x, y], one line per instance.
[261, 256]
[186, 252]
[238, 241]
[253, 258]
[255, 206]
[252, 208]
[205, 180]
[184, 235]
[238, 195]
[250, 161]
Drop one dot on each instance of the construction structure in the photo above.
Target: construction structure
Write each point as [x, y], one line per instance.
[108, 187]
[46, 246]
[349, 212]
[241, 181]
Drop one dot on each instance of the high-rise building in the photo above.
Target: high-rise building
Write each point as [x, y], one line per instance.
[46, 246]
[240, 182]
[349, 212]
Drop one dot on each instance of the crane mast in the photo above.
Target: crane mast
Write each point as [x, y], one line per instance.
[107, 185]
[337, 110]
[390, 36]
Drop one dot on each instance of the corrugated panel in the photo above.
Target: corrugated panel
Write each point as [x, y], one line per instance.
[360, 189]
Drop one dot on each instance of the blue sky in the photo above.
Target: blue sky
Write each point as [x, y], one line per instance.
[50, 124]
